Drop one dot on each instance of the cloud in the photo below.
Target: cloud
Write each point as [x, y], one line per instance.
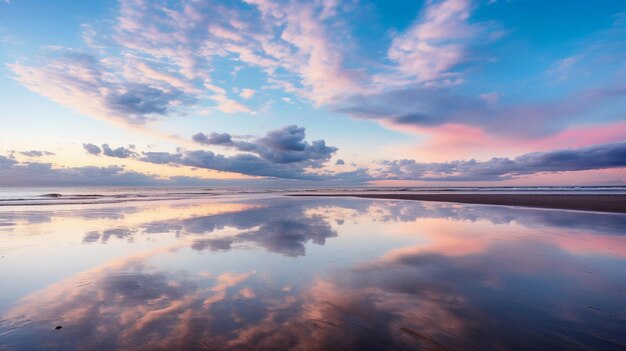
[589, 158]
[14, 173]
[241, 163]
[133, 73]
[106, 150]
[247, 93]
[251, 164]
[227, 105]
[213, 139]
[491, 98]
[562, 68]
[92, 149]
[149, 61]
[43, 174]
[169, 70]
[436, 43]
[340, 162]
[36, 153]
[424, 108]
[285, 145]
[6, 162]
[136, 73]
[90, 85]
[281, 153]
[284, 154]
[120, 152]
[431, 59]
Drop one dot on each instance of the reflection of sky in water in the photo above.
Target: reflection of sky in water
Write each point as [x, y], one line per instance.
[279, 273]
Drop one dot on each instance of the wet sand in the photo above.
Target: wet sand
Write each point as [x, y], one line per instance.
[615, 203]
[310, 274]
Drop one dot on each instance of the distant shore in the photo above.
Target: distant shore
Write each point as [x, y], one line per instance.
[615, 203]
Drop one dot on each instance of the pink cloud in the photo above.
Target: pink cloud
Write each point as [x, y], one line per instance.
[436, 42]
[449, 141]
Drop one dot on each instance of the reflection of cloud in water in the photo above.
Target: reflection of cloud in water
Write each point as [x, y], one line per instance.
[459, 290]
[500, 299]
[105, 235]
[125, 305]
[219, 244]
[504, 298]
[282, 227]
[288, 237]
[27, 217]
[121, 305]
[286, 225]
[410, 211]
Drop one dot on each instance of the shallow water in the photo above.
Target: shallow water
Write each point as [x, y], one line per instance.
[39, 196]
[265, 272]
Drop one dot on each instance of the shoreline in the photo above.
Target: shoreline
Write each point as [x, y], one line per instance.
[612, 203]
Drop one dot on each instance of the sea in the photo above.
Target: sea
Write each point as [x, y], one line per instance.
[102, 195]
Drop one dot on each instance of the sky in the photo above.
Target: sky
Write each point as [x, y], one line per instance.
[322, 92]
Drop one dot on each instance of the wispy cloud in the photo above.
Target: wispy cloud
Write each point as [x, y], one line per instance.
[436, 43]
[87, 84]
[247, 93]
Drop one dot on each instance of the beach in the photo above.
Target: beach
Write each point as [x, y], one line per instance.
[615, 203]
[267, 272]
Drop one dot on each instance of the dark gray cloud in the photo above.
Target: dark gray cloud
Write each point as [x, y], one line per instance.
[285, 145]
[252, 165]
[14, 173]
[43, 174]
[340, 162]
[594, 157]
[37, 153]
[271, 154]
[243, 163]
[106, 150]
[92, 149]
[281, 153]
[6, 162]
[120, 152]
[213, 139]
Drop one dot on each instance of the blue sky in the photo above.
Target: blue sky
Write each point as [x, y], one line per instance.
[402, 92]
